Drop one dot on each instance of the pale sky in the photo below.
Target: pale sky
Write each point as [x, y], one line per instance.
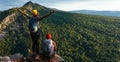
[66, 5]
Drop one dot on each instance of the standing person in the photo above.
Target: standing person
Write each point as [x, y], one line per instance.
[49, 46]
[34, 27]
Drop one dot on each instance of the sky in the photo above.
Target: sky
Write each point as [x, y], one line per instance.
[66, 5]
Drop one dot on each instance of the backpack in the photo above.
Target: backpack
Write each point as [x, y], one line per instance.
[48, 47]
[33, 25]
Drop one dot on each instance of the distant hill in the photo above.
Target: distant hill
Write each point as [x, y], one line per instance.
[104, 13]
[79, 37]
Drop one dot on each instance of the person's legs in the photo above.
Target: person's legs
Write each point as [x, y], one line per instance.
[33, 42]
[37, 47]
[38, 34]
[37, 37]
[33, 47]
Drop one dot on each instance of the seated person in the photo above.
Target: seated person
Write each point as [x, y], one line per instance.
[48, 46]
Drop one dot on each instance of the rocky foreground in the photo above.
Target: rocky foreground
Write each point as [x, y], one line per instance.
[31, 58]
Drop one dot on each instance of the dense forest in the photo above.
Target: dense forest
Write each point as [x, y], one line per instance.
[79, 37]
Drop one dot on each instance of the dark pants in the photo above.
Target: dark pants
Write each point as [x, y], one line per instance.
[35, 41]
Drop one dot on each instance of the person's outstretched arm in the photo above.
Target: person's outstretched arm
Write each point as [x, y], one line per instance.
[47, 15]
[23, 13]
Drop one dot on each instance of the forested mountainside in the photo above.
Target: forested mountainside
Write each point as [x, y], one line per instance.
[79, 37]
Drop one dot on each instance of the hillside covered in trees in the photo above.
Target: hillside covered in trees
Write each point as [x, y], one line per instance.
[79, 37]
